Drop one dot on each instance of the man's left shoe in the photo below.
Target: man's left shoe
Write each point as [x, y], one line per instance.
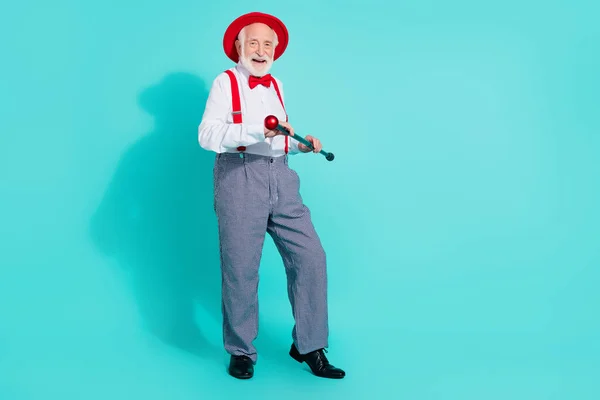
[318, 363]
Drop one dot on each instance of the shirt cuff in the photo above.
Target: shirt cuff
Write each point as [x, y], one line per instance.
[293, 146]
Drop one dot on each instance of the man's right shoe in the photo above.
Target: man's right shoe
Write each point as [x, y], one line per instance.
[241, 367]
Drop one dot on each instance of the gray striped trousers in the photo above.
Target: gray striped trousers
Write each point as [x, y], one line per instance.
[255, 195]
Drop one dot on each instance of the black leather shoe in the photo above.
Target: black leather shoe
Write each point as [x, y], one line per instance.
[241, 367]
[318, 363]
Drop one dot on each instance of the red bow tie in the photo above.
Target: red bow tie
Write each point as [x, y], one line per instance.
[254, 81]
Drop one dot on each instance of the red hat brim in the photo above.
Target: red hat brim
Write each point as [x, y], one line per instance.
[236, 26]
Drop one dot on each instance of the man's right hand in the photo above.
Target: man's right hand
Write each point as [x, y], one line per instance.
[270, 134]
[275, 132]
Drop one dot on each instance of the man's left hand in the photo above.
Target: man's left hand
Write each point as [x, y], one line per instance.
[316, 143]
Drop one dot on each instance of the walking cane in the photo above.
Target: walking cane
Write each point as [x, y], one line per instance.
[272, 123]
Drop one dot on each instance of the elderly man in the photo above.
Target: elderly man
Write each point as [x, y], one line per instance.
[256, 192]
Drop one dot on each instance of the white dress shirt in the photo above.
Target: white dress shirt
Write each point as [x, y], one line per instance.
[218, 133]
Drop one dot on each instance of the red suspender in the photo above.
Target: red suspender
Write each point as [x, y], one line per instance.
[237, 109]
[235, 103]
[286, 116]
[235, 99]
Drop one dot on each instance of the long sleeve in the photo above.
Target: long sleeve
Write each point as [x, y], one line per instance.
[215, 132]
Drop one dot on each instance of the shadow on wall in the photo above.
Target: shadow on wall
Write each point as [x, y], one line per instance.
[157, 220]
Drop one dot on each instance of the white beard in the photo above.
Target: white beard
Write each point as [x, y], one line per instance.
[255, 70]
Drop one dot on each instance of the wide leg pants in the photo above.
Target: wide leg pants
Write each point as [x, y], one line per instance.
[255, 195]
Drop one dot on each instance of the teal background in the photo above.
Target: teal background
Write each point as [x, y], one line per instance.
[460, 216]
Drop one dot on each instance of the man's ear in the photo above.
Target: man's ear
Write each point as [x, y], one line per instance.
[238, 46]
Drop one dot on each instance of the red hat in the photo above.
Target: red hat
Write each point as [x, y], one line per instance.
[236, 26]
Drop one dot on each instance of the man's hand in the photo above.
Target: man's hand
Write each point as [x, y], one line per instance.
[314, 141]
[275, 132]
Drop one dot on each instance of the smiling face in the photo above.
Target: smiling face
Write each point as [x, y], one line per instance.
[256, 47]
